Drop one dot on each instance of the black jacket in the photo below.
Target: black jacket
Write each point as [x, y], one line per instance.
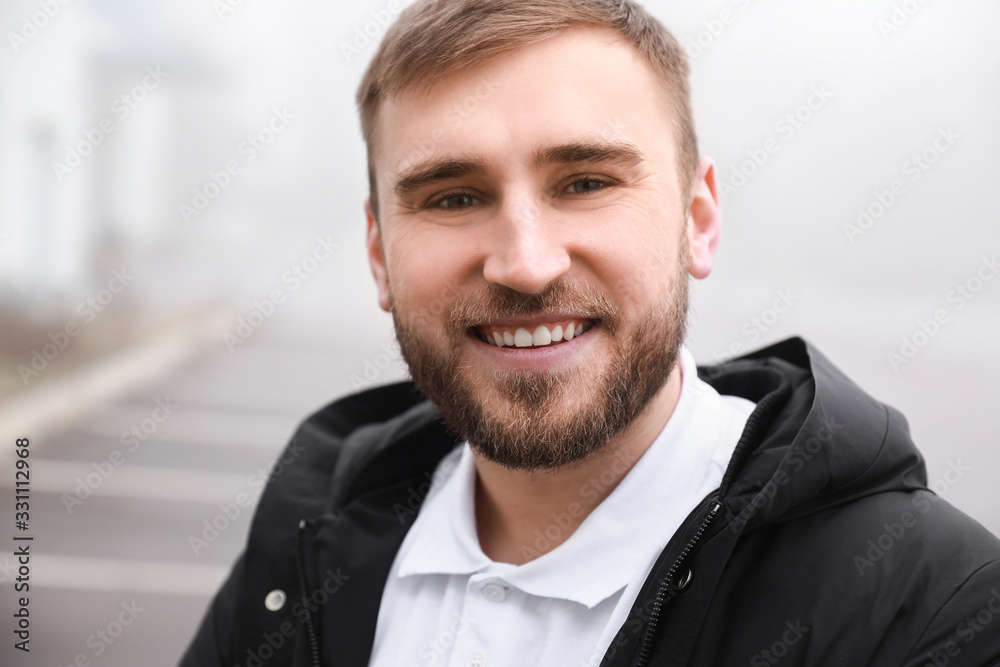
[823, 545]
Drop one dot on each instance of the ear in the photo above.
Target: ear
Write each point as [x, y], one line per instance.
[376, 257]
[704, 219]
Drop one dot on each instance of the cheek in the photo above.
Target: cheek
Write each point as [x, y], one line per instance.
[424, 274]
[638, 283]
[636, 252]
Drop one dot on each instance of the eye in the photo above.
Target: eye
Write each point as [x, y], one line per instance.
[586, 185]
[453, 201]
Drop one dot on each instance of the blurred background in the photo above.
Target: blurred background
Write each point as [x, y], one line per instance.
[182, 271]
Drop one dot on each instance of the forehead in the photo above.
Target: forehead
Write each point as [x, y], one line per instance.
[581, 84]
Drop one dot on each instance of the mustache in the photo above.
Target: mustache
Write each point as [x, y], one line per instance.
[499, 301]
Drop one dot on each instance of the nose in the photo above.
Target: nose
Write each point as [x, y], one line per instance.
[526, 252]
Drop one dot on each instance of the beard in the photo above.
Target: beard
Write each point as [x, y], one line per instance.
[531, 420]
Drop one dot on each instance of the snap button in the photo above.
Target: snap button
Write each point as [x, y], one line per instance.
[477, 659]
[275, 600]
[494, 593]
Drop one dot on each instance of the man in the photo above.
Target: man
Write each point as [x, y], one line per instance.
[573, 490]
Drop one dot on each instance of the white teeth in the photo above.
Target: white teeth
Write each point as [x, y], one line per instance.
[522, 338]
[541, 336]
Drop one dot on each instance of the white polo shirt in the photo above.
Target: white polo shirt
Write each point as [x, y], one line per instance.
[446, 603]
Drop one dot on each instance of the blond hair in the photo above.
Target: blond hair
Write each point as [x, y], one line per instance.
[433, 39]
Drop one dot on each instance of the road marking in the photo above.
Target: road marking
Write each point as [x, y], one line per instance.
[135, 481]
[123, 575]
[50, 407]
[188, 424]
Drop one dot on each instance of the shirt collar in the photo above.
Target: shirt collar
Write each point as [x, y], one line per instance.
[444, 538]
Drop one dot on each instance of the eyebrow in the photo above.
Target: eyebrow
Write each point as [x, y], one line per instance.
[431, 170]
[425, 172]
[621, 153]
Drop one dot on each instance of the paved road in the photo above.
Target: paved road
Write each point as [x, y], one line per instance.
[117, 575]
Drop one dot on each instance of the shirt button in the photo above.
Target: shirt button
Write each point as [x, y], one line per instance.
[477, 659]
[275, 600]
[494, 593]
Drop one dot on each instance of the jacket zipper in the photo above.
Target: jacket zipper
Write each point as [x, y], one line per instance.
[310, 630]
[667, 582]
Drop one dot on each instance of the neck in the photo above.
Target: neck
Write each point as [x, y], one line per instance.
[523, 515]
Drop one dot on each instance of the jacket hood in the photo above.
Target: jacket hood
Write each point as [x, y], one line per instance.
[815, 441]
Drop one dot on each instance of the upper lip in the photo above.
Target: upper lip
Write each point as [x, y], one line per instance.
[535, 321]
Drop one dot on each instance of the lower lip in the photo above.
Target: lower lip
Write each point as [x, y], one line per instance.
[534, 357]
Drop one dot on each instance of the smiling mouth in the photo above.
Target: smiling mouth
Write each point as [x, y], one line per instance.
[533, 335]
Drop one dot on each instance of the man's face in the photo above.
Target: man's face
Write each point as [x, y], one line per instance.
[534, 245]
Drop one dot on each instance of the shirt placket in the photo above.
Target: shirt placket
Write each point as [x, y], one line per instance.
[487, 600]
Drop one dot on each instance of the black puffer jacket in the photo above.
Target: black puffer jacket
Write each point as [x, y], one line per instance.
[823, 545]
